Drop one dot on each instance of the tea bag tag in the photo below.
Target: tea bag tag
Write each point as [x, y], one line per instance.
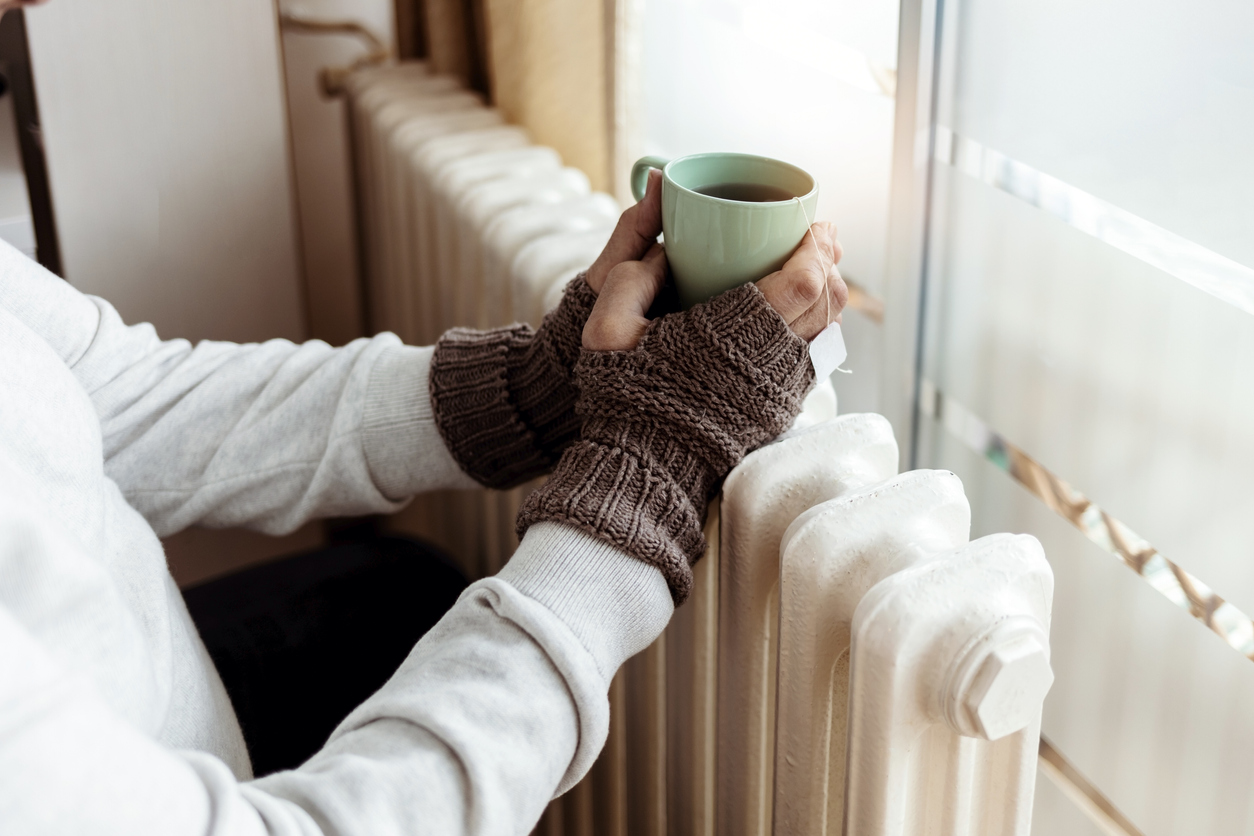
[827, 352]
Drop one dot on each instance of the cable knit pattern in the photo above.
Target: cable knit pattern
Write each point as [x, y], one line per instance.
[504, 399]
[666, 421]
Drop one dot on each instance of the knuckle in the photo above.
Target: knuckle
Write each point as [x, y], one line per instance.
[594, 332]
[602, 333]
[808, 284]
[840, 298]
[840, 293]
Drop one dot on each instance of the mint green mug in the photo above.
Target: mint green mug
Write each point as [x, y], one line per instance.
[728, 219]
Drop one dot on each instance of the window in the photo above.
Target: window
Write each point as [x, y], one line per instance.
[1067, 267]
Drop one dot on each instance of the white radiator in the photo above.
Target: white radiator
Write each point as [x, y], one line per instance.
[848, 662]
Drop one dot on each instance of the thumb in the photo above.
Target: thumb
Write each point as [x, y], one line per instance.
[794, 289]
[637, 230]
[618, 320]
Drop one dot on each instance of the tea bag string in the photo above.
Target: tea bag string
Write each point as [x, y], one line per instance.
[827, 296]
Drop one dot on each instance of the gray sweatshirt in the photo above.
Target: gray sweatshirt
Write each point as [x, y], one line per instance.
[112, 717]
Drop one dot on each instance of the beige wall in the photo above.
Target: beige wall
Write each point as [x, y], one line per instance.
[549, 66]
[166, 134]
[167, 143]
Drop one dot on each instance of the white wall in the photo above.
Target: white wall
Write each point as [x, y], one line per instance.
[167, 143]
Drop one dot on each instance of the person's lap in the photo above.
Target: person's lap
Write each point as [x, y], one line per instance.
[303, 640]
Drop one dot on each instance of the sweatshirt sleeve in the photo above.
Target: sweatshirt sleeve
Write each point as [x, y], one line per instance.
[265, 435]
[500, 707]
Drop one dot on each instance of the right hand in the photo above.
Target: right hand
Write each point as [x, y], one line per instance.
[796, 292]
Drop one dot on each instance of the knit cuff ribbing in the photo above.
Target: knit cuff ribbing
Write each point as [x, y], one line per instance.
[541, 377]
[627, 501]
[504, 400]
[471, 402]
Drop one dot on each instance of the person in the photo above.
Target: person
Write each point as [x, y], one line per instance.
[113, 717]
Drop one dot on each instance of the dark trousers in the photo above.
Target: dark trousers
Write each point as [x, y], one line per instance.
[301, 641]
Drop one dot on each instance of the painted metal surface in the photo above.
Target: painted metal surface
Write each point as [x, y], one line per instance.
[950, 666]
[831, 557]
[761, 497]
[734, 721]
[902, 651]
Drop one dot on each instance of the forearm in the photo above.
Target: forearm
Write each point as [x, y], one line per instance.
[272, 435]
[266, 435]
[502, 705]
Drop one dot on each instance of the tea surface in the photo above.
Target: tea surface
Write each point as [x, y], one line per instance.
[746, 192]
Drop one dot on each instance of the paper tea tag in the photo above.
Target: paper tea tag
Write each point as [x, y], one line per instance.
[827, 352]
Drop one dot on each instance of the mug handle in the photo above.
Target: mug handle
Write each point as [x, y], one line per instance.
[640, 174]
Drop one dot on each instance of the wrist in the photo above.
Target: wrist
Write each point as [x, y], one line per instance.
[504, 400]
[666, 421]
[612, 602]
[403, 447]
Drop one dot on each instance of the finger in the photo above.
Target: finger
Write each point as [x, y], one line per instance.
[618, 320]
[648, 216]
[637, 230]
[824, 311]
[792, 290]
[837, 251]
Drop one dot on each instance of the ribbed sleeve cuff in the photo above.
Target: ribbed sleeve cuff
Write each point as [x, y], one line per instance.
[403, 447]
[504, 400]
[627, 500]
[541, 379]
[612, 602]
[470, 396]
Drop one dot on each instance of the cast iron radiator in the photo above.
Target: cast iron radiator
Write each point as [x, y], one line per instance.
[849, 662]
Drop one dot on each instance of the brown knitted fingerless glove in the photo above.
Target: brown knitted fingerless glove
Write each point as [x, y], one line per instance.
[666, 421]
[504, 400]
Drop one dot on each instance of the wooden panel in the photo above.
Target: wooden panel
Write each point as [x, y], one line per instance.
[15, 215]
[548, 67]
[453, 43]
[168, 154]
[196, 555]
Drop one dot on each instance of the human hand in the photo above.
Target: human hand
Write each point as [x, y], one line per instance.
[637, 230]
[670, 406]
[530, 372]
[796, 291]
[808, 291]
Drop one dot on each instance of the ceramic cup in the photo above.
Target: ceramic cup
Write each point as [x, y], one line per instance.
[714, 244]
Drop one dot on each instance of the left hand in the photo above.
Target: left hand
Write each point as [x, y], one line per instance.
[807, 292]
[637, 231]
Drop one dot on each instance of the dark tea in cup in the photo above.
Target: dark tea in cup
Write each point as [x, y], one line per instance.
[746, 192]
